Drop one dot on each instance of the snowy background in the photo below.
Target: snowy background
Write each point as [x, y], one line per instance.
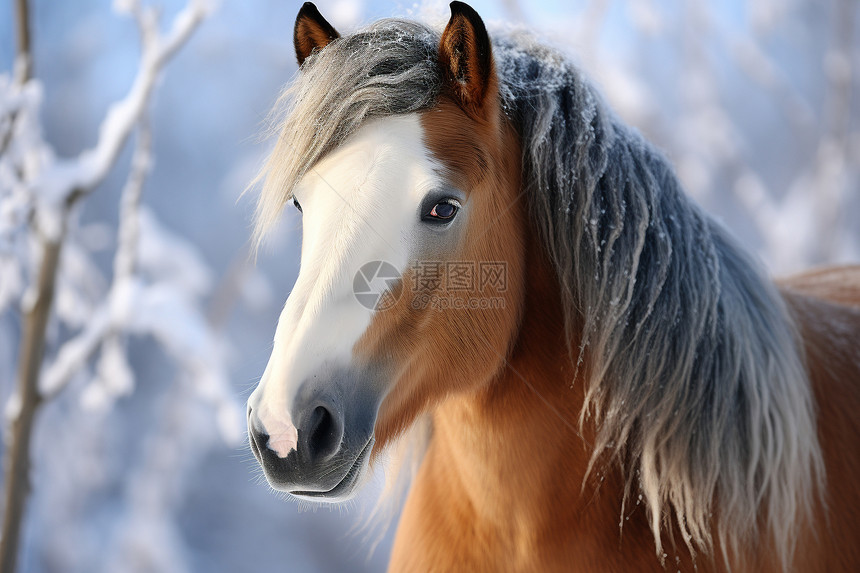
[160, 330]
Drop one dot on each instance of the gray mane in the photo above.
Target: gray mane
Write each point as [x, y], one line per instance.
[695, 377]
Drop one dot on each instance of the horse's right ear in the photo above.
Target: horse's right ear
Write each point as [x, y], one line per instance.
[466, 58]
[312, 32]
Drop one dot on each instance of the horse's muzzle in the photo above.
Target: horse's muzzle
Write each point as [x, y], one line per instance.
[335, 439]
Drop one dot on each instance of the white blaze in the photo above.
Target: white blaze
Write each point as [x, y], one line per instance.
[360, 204]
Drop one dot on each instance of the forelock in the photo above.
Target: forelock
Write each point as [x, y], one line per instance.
[388, 68]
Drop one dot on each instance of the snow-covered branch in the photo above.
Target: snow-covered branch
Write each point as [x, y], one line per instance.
[67, 180]
[37, 194]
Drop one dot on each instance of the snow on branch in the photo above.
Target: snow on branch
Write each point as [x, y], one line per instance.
[159, 281]
[66, 180]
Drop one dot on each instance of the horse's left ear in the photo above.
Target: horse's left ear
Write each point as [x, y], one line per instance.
[311, 32]
[466, 58]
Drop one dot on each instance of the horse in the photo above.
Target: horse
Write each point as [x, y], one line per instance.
[503, 279]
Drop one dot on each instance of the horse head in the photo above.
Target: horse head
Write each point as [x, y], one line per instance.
[410, 284]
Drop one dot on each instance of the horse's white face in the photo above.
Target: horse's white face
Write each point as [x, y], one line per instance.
[364, 202]
[404, 196]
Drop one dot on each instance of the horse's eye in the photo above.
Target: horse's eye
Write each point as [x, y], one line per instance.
[296, 204]
[443, 210]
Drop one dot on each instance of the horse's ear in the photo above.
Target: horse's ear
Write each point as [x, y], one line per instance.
[466, 57]
[311, 32]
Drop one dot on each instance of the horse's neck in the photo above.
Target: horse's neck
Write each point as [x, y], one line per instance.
[501, 487]
[514, 447]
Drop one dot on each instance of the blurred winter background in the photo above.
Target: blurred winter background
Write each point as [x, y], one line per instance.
[160, 325]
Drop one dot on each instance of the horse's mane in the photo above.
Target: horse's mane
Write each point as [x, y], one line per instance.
[695, 373]
[695, 378]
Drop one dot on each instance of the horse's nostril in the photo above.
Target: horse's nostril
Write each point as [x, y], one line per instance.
[324, 433]
[258, 442]
[258, 438]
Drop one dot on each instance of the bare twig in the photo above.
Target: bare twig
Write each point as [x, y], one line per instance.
[25, 57]
[18, 460]
[32, 349]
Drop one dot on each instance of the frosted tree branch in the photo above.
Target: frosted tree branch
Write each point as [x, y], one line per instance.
[18, 456]
[125, 260]
[55, 188]
[68, 180]
[77, 352]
